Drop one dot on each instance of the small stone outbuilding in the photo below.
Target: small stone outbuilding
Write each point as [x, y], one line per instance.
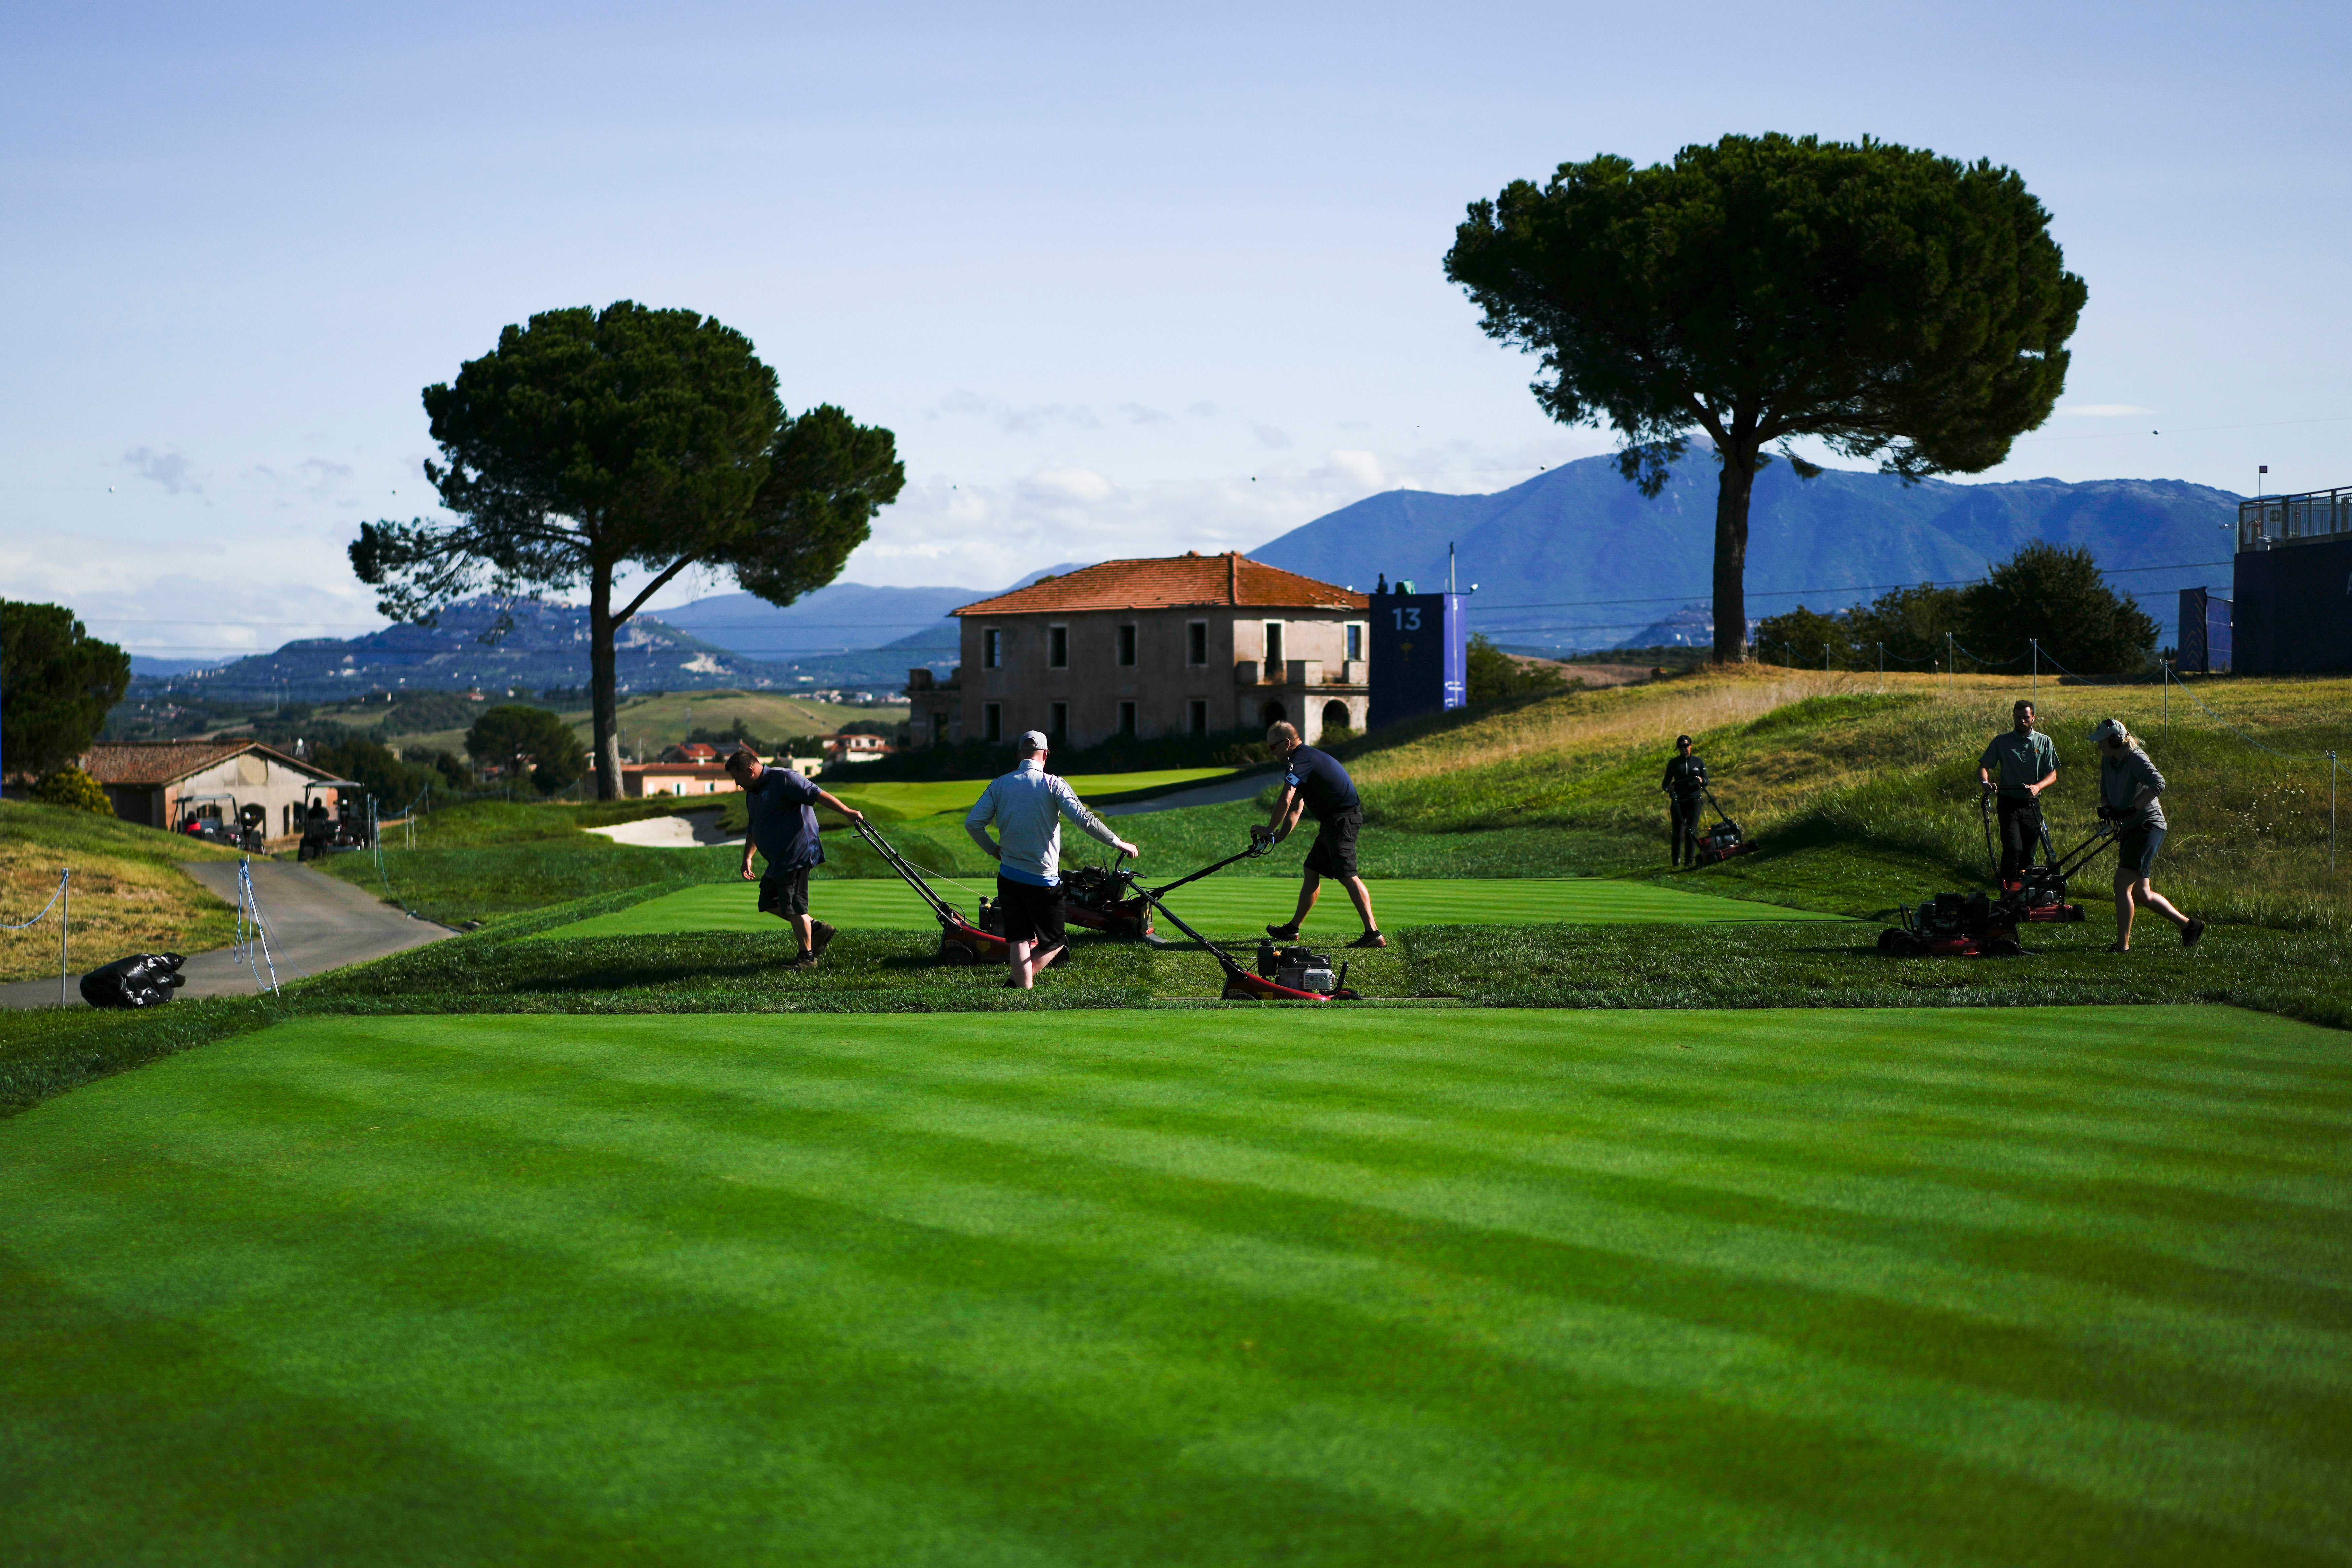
[163, 784]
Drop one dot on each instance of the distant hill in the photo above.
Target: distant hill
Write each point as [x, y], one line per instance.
[547, 647]
[844, 618]
[1575, 558]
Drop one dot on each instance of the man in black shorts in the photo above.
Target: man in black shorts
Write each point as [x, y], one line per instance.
[782, 810]
[1314, 781]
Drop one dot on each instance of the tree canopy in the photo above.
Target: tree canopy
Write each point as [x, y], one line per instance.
[1897, 306]
[514, 733]
[2044, 594]
[2055, 598]
[56, 681]
[591, 442]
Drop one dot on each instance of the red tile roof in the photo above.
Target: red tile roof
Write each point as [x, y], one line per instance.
[1171, 582]
[168, 762]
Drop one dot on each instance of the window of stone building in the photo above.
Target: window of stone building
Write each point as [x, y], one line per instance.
[1127, 717]
[1057, 648]
[1355, 640]
[1273, 649]
[991, 722]
[1057, 720]
[1196, 714]
[938, 727]
[1127, 644]
[1196, 642]
[991, 648]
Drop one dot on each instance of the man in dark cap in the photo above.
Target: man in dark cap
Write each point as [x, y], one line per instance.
[1685, 787]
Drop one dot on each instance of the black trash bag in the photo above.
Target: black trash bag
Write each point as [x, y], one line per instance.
[142, 980]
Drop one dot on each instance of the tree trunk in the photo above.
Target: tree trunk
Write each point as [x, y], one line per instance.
[604, 694]
[1731, 556]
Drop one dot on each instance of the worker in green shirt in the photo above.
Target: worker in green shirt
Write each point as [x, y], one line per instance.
[2027, 762]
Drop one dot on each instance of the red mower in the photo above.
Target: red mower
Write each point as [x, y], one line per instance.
[1723, 840]
[1108, 900]
[1284, 972]
[1976, 925]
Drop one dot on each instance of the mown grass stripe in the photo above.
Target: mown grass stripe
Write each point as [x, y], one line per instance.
[1236, 907]
[1018, 1356]
[1940, 1291]
[1117, 1234]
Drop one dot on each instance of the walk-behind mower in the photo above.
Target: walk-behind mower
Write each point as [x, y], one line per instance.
[960, 941]
[1108, 900]
[1723, 840]
[1285, 972]
[1973, 925]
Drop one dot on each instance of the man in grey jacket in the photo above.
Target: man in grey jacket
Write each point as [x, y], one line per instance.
[1027, 805]
[2129, 786]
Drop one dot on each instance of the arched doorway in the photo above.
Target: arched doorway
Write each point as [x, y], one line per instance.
[1272, 713]
[1334, 717]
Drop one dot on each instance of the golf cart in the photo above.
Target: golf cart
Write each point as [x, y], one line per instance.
[219, 819]
[325, 834]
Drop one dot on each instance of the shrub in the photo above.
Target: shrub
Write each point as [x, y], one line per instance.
[73, 789]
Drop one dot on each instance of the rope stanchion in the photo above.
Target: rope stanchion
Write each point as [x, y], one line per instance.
[252, 934]
[62, 902]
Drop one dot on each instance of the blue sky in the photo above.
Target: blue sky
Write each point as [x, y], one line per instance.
[1121, 282]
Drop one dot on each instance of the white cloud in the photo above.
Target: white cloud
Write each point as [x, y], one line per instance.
[1268, 436]
[2105, 410]
[1140, 413]
[173, 470]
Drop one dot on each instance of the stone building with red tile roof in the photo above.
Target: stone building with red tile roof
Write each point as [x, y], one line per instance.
[163, 784]
[1187, 644]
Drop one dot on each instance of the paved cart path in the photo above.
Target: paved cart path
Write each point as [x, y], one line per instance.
[316, 923]
[1235, 906]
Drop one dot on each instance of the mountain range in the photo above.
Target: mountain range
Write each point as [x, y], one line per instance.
[1572, 560]
[1575, 558]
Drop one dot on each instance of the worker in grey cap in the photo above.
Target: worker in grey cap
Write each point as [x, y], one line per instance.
[1027, 805]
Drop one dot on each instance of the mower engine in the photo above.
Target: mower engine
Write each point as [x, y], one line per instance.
[2039, 895]
[1954, 925]
[1721, 842]
[1298, 969]
[1106, 902]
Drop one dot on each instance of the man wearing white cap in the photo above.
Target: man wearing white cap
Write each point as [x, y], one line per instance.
[1027, 805]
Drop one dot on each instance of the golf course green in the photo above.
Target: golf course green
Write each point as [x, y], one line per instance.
[1236, 907]
[1918, 1286]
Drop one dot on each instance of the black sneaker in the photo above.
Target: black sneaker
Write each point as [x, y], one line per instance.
[2192, 932]
[1369, 939]
[820, 934]
[1283, 933]
[803, 960]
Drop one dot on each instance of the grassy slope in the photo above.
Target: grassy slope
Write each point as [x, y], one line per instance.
[128, 892]
[1647, 1289]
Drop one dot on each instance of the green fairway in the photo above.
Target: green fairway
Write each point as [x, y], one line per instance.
[2063, 1287]
[957, 794]
[1238, 906]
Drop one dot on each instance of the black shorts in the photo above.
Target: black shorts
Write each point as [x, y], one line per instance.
[1334, 854]
[2136, 853]
[1031, 913]
[784, 893]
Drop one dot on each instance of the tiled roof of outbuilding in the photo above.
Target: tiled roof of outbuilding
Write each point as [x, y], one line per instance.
[167, 761]
[1172, 582]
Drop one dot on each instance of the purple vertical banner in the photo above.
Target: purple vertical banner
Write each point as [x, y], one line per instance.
[1457, 651]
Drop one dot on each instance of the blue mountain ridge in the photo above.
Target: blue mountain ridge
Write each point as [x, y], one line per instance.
[1550, 553]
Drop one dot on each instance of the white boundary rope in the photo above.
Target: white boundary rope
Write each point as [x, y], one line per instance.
[62, 902]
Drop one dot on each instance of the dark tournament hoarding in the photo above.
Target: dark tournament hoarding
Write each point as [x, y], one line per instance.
[2291, 609]
[1421, 655]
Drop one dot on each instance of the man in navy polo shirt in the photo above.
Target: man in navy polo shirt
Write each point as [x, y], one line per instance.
[782, 805]
[1314, 781]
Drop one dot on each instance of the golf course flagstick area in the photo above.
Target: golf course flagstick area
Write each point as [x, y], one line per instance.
[2064, 1286]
